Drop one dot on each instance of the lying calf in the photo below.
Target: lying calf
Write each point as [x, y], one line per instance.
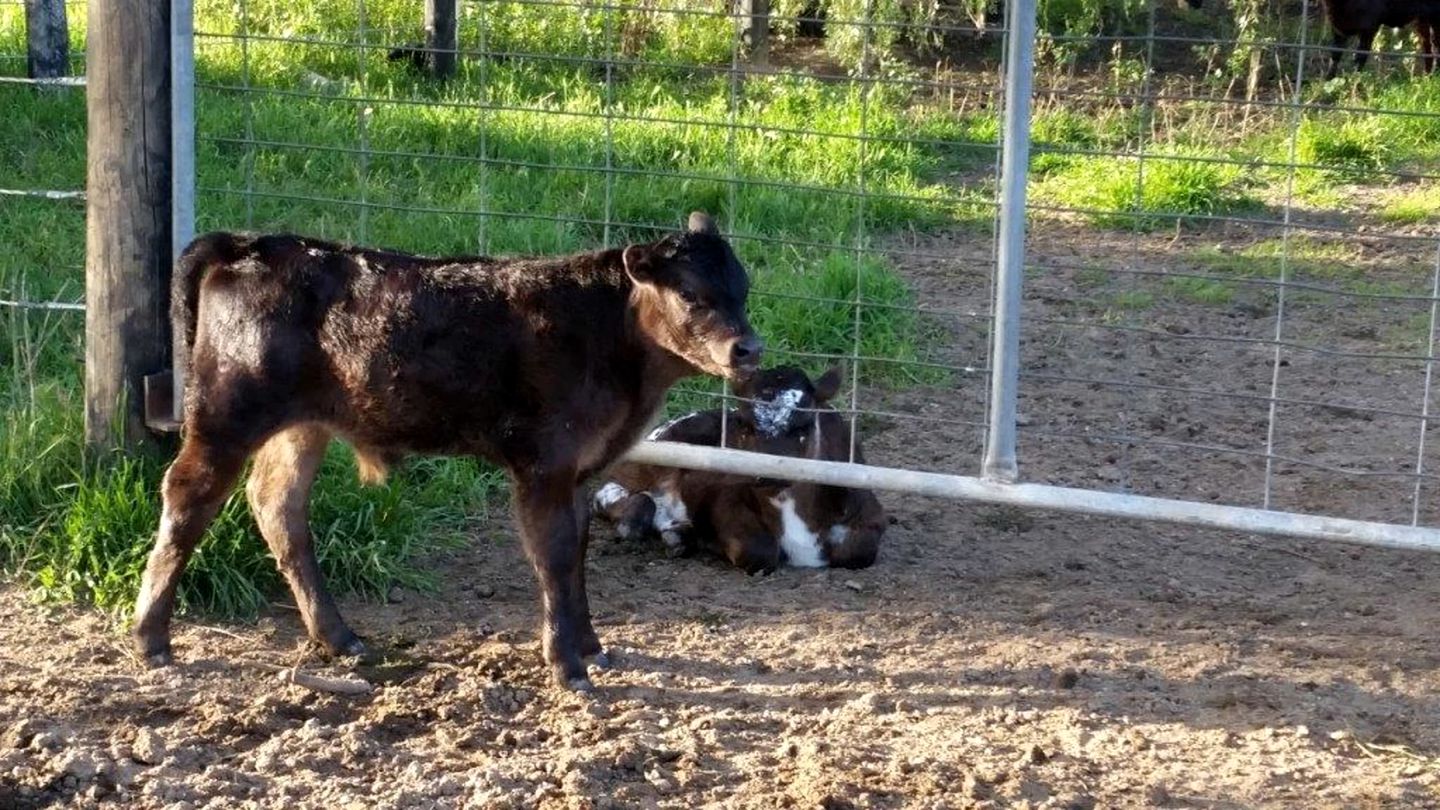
[755, 523]
[550, 368]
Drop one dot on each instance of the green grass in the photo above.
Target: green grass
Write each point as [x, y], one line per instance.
[1413, 207]
[1352, 149]
[1124, 192]
[1200, 290]
[1134, 299]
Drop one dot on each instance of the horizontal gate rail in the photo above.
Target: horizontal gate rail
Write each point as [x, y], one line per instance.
[1038, 496]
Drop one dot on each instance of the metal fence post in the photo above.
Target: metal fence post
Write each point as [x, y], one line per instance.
[182, 175]
[1000, 464]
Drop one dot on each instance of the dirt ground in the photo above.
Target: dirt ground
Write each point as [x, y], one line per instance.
[992, 658]
[989, 659]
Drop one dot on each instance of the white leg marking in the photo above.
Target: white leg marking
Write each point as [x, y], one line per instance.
[147, 583]
[800, 543]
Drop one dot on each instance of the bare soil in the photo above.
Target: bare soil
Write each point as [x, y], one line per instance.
[992, 658]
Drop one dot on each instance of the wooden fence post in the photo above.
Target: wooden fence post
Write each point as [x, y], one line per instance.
[127, 229]
[441, 37]
[48, 39]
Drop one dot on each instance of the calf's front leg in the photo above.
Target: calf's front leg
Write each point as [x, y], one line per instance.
[550, 530]
[589, 640]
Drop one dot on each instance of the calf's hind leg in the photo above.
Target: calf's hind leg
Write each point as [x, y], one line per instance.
[194, 489]
[279, 494]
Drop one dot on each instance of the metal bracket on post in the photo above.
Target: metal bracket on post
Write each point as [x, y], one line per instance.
[1000, 464]
[161, 404]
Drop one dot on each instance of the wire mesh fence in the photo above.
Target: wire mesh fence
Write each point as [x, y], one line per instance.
[1209, 310]
[571, 126]
[41, 180]
[1231, 260]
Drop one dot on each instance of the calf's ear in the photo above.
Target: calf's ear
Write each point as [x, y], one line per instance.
[700, 222]
[642, 263]
[829, 384]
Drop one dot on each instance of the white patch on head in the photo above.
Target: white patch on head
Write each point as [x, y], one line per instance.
[800, 544]
[655, 434]
[610, 494]
[838, 534]
[773, 417]
[314, 252]
[670, 512]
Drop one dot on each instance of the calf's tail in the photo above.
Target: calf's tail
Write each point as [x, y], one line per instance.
[202, 254]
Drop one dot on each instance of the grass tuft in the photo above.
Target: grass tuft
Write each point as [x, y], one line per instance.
[1413, 207]
[1123, 192]
[1351, 151]
[79, 528]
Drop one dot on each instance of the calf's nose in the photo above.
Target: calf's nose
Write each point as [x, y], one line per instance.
[746, 352]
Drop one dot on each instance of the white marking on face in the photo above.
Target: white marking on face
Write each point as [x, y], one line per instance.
[655, 434]
[610, 494]
[670, 512]
[773, 417]
[314, 252]
[800, 544]
[838, 534]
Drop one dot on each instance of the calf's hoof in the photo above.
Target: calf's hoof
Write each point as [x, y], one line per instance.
[570, 681]
[345, 644]
[155, 652]
[602, 660]
[162, 658]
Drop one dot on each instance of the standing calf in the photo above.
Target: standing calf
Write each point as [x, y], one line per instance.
[756, 524]
[549, 367]
[1363, 18]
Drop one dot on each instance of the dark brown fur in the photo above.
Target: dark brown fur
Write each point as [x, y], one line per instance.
[737, 517]
[548, 367]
